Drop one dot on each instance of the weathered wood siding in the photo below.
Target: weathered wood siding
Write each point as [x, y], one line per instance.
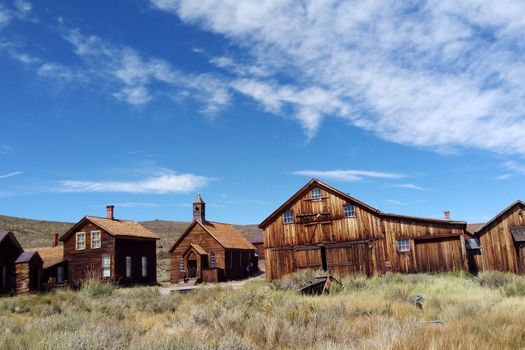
[434, 246]
[500, 252]
[135, 248]
[82, 262]
[8, 254]
[201, 237]
[28, 276]
[366, 243]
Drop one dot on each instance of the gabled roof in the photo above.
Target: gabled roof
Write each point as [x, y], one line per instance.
[225, 234]
[27, 257]
[317, 183]
[306, 188]
[471, 228]
[510, 207]
[198, 249]
[10, 235]
[258, 238]
[50, 255]
[117, 228]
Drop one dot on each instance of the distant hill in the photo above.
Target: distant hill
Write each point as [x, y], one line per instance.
[37, 233]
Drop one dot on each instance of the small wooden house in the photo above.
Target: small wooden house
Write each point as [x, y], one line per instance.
[258, 242]
[211, 251]
[502, 241]
[321, 227]
[54, 265]
[121, 251]
[20, 271]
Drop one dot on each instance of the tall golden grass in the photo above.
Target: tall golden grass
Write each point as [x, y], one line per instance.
[487, 312]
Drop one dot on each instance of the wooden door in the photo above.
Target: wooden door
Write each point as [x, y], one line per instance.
[438, 255]
[350, 258]
[522, 257]
[308, 258]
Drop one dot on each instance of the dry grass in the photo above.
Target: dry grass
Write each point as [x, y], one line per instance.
[373, 313]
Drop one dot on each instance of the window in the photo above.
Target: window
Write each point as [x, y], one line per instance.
[60, 274]
[288, 217]
[181, 263]
[240, 260]
[213, 258]
[144, 266]
[106, 266]
[95, 239]
[316, 194]
[81, 240]
[231, 259]
[128, 266]
[349, 211]
[403, 245]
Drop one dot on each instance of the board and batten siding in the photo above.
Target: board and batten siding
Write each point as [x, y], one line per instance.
[82, 262]
[499, 251]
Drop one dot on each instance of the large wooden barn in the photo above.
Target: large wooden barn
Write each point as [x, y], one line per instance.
[320, 227]
[117, 250]
[211, 251]
[500, 243]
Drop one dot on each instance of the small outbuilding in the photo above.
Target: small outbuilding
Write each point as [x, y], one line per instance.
[211, 251]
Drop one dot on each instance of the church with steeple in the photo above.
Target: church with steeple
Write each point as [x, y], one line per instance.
[210, 251]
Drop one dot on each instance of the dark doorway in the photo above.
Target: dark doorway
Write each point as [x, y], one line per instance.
[34, 278]
[192, 268]
[323, 259]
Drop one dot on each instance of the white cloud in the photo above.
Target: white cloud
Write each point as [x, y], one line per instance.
[4, 149]
[59, 72]
[167, 182]
[5, 16]
[135, 79]
[503, 177]
[395, 202]
[347, 175]
[515, 166]
[23, 6]
[410, 186]
[14, 173]
[437, 74]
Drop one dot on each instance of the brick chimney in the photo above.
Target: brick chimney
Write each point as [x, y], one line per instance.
[447, 215]
[54, 239]
[109, 212]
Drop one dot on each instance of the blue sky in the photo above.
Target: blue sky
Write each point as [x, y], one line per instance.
[414, 108]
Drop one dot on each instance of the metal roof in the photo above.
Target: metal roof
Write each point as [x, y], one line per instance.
[472, 243]
[518, 233]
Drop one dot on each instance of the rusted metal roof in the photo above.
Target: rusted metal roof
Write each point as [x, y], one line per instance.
[117, 228]
[50, 255]
[472, 244]
[518, 233]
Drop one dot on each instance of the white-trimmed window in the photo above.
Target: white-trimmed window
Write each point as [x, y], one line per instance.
[106, 265]
[181, 263]
[403, 245]
[95, 239]
[288, 217]
[128, 266]
[349, 211]
[144, 266]
[316, 194]
[81, 240]
[213, 258]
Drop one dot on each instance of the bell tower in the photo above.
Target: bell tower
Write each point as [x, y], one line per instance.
[199, 209]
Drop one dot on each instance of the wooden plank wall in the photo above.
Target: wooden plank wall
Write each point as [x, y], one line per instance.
[135, 248]
[22, 278]
[499, 250]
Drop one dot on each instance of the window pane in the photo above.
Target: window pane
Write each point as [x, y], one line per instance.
[128, 266]
[144, 266]
[181, 264]
[213, 259]
[106, 266]
[288, 217]
[316, 194]
[349, 210]
[403, 245]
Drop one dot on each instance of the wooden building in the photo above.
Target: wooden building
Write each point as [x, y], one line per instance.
[20, 272]
[502, 241]
[118, 250]
[320, 227]
[54, 265]
[258, 242]
[211, 251]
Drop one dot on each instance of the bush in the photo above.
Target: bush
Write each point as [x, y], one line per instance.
[296, 280]
[95, 287]
[516, 288]
[495, 279]
[149, 299]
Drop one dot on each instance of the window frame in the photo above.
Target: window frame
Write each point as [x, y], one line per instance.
[353, 211]
[213, 259]
[289, 217]
[403, 246]
[144, 266]
[316, 194]
[128, 266]
[60, 274]
[77, 241]
[106, 266]
[99, 239]
[181, 263]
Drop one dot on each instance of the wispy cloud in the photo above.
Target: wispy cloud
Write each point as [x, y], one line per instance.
[417, 73]
[395, 202]
[14, 173]
[4, 149]
[503, 177]
[167, 182]
[128, 205]
[347, 175]
[515, 166]
[411, 187]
